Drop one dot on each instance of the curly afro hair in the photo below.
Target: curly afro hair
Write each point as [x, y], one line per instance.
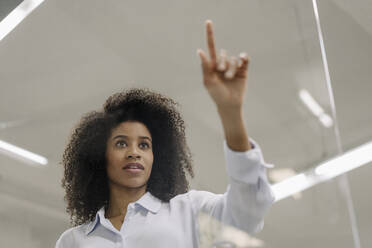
[85, 177]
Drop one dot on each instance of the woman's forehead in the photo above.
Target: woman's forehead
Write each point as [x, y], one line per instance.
[131, 129]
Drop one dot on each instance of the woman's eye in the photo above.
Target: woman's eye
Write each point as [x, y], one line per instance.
[120, 143]
[145, 144]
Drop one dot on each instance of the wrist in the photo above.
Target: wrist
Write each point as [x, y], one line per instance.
[230, 112]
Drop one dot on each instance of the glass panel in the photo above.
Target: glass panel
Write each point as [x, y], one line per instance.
[294, 138]
[347, 27]
[69, 56]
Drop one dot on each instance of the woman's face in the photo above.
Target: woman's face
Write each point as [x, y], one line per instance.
[130, 142]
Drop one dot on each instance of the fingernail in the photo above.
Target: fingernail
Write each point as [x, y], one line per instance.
[243, 55]
[229, 74]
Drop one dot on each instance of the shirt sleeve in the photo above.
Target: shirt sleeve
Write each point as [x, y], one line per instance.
[248, 195]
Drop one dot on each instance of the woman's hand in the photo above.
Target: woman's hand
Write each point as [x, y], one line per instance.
[225, 78]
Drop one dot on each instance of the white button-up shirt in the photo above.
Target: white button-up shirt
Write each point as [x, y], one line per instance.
[149, 222]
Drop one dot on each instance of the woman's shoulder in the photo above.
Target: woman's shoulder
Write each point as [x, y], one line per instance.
[68, 237]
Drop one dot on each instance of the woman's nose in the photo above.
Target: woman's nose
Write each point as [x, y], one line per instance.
[132, 155]
[132, 152]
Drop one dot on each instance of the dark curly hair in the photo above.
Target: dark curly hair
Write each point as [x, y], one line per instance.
[85, 178]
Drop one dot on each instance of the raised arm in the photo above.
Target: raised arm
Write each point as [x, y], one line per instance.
[225, 80]
[248, 195]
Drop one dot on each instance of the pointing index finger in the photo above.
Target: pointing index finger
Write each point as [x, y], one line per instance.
[210, 41]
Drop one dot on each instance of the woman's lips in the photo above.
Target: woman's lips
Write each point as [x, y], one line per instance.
[133, 170]
[140, 166]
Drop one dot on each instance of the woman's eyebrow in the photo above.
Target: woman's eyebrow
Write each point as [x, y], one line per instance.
[124, 136]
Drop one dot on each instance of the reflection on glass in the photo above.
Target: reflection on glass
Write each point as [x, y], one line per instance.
[215, 234]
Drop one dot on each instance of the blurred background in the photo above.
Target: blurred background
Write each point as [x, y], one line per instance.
[61, 59]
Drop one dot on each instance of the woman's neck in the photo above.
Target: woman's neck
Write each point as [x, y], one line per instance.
[120, 199]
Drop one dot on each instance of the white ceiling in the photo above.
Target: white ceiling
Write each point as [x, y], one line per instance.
[68, 56]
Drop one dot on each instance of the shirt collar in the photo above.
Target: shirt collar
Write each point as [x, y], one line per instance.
[148, 201]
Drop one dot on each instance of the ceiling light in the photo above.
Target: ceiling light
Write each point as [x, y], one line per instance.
[315, 108]
[17, 15]
[22, 154]
[334, 167]
[346, 162]
[292, 186]
[278, 175]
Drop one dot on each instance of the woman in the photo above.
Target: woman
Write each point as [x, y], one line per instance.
[125, 167]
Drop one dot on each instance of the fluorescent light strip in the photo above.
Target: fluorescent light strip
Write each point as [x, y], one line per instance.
[310, 102]
[346, 162]
[315, 108]
[292, 186]
[326, 120]
[10, 149]
[17, 15]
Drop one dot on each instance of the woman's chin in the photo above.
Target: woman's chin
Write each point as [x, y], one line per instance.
[134, 184]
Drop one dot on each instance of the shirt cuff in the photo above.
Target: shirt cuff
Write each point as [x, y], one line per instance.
[245, 166]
